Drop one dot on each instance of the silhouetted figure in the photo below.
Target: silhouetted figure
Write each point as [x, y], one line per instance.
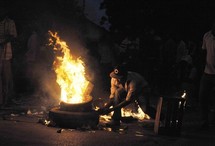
[31, 58]
[106, 60]
[207, 83]
[186, 77]
[123, 53]
[153, 45]
[181, 50]
[7, 34]
[168, 54]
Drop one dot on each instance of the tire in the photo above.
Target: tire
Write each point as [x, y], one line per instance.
[68, 119]
[79, 107]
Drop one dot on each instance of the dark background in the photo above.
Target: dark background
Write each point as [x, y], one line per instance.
[185, 19]
[188, 18]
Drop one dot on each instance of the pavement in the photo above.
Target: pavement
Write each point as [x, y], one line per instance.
[25, 123]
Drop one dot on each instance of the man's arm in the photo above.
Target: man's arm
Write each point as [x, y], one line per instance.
[203, 53]
[129, 98]
[120, 105]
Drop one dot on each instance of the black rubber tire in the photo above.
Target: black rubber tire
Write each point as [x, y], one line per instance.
[68, 119]
[80, 107]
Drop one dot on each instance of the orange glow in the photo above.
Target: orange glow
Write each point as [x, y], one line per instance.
[135, 112]
[70, 73]
[138, 113]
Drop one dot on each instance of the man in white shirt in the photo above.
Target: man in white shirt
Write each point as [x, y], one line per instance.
[207, 83]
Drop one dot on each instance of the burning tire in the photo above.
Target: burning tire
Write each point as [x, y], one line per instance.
[77, 107]
[70, 119]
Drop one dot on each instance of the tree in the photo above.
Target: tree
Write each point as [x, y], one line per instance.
[133, 16]
[127, 16]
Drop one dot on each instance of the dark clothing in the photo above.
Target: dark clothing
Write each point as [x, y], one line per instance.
[207, 84]
[6, 81]
[7, 35]
[208, 79]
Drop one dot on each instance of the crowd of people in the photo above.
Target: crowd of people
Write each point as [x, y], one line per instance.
[170, 63]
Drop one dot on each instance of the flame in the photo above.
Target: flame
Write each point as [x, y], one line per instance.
[70, 72]
[139, 114]
[135, 112]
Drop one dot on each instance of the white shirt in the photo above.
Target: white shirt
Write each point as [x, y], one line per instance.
[7, 27]
[209, 45]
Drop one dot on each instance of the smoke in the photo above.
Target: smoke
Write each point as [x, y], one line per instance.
[82, 37]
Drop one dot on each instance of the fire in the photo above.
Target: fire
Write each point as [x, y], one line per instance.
[139, 114]
[135, 112]
[70, 72]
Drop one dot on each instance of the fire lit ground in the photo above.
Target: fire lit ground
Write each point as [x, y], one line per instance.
[29, 122]
[25, 124]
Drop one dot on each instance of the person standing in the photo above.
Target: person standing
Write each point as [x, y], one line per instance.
[207, 82]
[7, 33]
[106, 60]
[31, 57]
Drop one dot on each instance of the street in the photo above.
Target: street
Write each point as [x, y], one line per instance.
[24, 126]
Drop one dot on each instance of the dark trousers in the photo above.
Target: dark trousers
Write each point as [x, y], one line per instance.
[120, 95]
[6, 81]
[207, 84]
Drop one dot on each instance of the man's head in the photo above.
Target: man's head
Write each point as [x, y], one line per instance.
[119, 72]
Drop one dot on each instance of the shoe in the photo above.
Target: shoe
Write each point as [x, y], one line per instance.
[113, 123]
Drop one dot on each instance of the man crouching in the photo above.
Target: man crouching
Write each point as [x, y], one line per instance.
[126, 87]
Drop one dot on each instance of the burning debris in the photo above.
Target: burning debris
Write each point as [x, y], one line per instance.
[23, 115]
[47, 122]
[75, 109]
[70, 72]
[131, 113]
